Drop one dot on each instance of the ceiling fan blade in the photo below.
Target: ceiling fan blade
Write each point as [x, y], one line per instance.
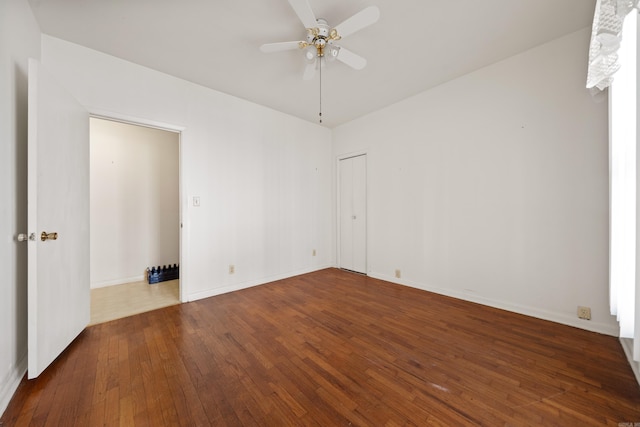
[351, 59]
[362, 19]
[302, 8]
[309, 70]
[279, 47]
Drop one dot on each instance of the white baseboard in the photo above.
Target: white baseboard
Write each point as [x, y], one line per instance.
[11, 381]
[106, 283]
[627, 346]
[251, 283]
[599, 327]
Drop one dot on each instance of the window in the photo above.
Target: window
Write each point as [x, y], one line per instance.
[623, 139]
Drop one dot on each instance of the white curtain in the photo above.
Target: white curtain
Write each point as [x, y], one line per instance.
[613, 49]
[622, 157]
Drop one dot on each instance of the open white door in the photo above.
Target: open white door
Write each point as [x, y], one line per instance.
[58, 202]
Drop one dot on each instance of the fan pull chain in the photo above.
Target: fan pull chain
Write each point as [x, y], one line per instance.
[320, 113]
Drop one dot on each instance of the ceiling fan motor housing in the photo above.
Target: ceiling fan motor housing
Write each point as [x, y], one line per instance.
[319, 36]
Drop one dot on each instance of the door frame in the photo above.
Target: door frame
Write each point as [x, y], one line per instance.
[339, 158]
[137, 121]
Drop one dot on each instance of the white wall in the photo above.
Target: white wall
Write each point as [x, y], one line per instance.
[494, 187]
[19, 40]
[135, 220]
[264, 178]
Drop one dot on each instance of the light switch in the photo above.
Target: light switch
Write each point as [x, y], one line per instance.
[196, 201]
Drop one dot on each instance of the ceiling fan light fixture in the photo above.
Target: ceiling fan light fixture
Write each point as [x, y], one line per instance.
[310, 54]
[332, 52]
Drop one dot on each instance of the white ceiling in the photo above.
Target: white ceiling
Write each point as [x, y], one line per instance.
[416, 44]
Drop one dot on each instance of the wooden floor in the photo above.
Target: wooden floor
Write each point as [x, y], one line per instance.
[116, 302]
[332, 348]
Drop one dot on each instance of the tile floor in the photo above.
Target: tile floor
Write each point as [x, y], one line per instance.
[118, 301]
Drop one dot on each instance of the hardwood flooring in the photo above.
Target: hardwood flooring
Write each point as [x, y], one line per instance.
[332, 348]
[116, 302]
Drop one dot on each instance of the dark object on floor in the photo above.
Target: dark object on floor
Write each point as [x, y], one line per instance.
[157, 274]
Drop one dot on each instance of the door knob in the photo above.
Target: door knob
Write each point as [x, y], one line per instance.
[48, 236]
[23, 237]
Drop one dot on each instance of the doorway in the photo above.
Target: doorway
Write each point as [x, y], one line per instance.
[134, 217]
[352, 217]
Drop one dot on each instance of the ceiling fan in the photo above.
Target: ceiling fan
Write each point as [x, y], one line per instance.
[321, 37]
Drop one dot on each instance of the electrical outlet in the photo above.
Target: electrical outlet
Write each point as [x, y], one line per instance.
[313, 253]
[398, 274]
[584, 313]
[232, 268]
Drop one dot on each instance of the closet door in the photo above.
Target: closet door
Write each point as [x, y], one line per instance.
[353, 213]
